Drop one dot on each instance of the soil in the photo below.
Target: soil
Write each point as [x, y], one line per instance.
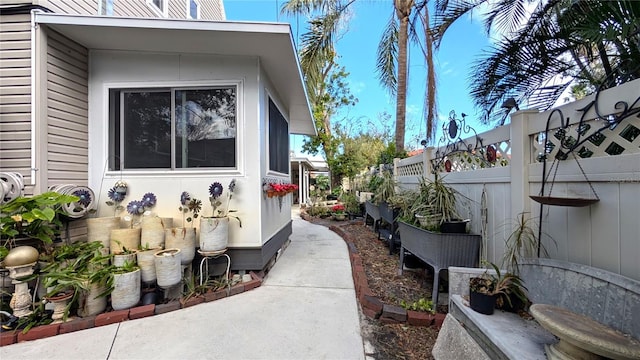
[390, 341]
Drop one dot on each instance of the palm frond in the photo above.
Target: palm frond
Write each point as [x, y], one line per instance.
[387, 56]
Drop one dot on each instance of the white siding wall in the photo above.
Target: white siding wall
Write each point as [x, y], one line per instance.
[212, 10]
[274, 215]
[67, 111]
[139, 69]
[15, 95]
[80, 7]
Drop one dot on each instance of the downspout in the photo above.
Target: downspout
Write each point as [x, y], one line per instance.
[33, 97]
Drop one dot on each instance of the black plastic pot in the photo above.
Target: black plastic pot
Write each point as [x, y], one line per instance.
[454, 227]
[482, 303]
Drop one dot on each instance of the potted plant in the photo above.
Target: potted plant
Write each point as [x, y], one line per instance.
[126, 287]
[484, 290]
[338, 211]
[99, 228]
[35, 217]
[214, 230]
[184, 238]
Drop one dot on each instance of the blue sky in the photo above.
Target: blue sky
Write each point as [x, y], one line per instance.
[357, 49]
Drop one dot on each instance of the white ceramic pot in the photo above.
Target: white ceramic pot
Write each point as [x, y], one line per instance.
[146, 263]
[124, 238]
[152, 232]
[168, 267]
[89, 303]
[126, 290]
[99, 229]
[214, 233]
[120, 259]
[183, 239]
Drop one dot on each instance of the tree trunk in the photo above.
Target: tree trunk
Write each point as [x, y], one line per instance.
[403, 10]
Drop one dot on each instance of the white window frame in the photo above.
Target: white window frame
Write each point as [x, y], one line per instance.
[267, 151]
[164, 12]
[198, 8]
[240, 127]
[104, 6]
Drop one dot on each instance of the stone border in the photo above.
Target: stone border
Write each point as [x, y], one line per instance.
[139, 312]
[372, 306]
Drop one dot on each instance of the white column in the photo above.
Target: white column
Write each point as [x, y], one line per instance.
[519, 163]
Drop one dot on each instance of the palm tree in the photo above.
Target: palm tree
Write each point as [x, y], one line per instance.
[544, 52]
[409, 21]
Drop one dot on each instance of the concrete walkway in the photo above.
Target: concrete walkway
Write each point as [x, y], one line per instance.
[305, 309]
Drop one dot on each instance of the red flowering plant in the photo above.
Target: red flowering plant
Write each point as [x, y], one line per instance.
[280, 189]
[338, 209]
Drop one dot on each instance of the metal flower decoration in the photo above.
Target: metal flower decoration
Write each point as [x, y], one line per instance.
[84, 198]
[115, 195]
[215, 189]
[135, 207]
[148, 200]
[184, 198]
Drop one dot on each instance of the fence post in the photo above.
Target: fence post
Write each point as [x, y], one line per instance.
[519, 164]
[427, 155]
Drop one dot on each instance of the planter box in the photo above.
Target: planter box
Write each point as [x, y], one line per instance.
[389, 234]
[371, 210]
[439, 250]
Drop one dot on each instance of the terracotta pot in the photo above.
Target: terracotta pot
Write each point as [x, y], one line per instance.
[183, 239]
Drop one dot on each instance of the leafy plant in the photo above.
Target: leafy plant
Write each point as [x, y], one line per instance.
[386, 188]
[350, 202]
[521, 243]
[422, 304]
[506, 284]
[37, 217]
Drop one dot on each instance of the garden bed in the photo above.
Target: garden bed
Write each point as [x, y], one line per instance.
[390, 340]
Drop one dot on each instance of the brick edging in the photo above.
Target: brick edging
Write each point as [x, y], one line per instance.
[371, 305]
[112, 317]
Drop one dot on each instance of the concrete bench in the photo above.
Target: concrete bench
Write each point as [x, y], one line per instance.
[608, 298]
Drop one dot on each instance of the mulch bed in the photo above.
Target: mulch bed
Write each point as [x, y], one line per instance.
[391, 341]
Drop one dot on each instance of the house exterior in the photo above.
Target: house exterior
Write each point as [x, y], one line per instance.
[156, 98]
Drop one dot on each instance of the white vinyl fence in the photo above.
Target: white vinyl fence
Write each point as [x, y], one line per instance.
[605, 234]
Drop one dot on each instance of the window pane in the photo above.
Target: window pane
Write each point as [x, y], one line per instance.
[278, 140]
[147, 129]
[193, 9]
[206, 128]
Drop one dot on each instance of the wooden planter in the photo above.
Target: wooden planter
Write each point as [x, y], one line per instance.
[439, 250]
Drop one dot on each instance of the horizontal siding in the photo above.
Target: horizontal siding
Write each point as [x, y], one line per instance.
[212, 10]
[133, 9]
[15, 94]
[67, 112]
[177, 9]
[81, 7]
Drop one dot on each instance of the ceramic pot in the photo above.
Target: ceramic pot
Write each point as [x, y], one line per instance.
[120, 259]
[183, 239]
[168, 267]
[89, 303]
[124, 238]
[99, 229]
[146, 263]
[152, 232]
[126, 290]
[214, 233]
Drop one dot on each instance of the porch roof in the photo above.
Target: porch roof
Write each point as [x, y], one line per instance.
[272, 43]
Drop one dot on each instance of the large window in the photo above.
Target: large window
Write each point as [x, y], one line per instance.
[173, 128]
[278, 140]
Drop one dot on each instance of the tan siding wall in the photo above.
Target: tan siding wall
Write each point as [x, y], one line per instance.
[133, 9]
[82, 7]
[67, 111]
[15, 94]
[212, 10]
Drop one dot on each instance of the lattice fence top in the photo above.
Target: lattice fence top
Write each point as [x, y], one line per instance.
[493, 155]
[621, 138]
[415, 169]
